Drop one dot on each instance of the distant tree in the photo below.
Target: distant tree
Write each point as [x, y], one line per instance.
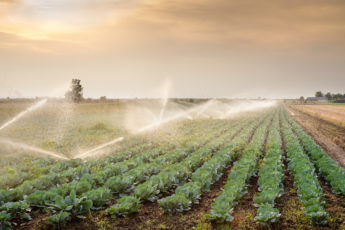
[75, 94]
[103, 98]
[318, 94]
[337, 96]
[329, 96]
[302, 100]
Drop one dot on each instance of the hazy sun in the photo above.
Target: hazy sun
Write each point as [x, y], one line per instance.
[38, 19]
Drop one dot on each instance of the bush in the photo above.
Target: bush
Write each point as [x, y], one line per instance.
[59, 220]
[5, 218]
[36, 199]
[82, 187]
[17, 209]
[147, 191]
[120, 184]
[175, 203]
[72, 204]
[125, 206]
[267, 214]
[99, 197]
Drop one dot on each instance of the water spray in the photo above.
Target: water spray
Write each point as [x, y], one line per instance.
[165, 99]
[205, 107]
[39, 104]
[197, 111]
[87, 153]
[21, 114]
[33, 149]
[186, 114]
[248, 107]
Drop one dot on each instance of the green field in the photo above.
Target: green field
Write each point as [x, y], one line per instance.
[255, 170]
[70, 129]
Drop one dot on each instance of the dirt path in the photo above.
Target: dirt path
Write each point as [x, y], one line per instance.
[330, 137]
[335, 206]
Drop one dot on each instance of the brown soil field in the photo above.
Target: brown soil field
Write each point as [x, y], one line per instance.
[328, 135]
[332, 113]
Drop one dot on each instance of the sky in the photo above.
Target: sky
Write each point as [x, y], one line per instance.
[202, 48]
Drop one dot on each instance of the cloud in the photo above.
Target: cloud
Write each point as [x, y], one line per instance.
[8, 1]
[66, 12]
[245, 23]
[227, 46]
[220, 24]
[40, 19]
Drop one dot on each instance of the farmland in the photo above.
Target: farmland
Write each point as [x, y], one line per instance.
[330, 134]
[332, 113]
[257, 169]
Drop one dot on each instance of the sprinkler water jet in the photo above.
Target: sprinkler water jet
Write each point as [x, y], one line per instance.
[33, 149]
[21, 114]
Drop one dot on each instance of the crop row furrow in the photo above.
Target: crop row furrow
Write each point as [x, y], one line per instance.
[88, 186]
[67, 172]
[80, 196]
[241, 172]
[30, 168]
[305, 178]
[271, 175]
[329, 169]
[166, 180]
[126, 182]
[201, 180]
[153, 142]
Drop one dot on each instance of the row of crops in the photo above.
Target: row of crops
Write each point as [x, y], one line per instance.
[72, 188]
[30, 168]
[15, 170]
[166, 181]
[177, 173]
[202, 179]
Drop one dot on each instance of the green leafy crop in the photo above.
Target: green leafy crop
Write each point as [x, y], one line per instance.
[125, 206]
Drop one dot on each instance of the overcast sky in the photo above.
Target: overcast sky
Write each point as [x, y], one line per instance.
[203, 48]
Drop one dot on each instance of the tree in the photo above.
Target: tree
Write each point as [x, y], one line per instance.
[318, 94]
[329, 96]
[75, 94]
[302, 100]
[337, 96]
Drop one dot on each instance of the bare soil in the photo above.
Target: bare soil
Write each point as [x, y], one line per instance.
[332, 113]
[328, 135]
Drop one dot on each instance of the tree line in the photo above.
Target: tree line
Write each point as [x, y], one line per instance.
[334, 97]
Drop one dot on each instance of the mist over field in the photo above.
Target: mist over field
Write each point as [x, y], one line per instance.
[179, 114]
